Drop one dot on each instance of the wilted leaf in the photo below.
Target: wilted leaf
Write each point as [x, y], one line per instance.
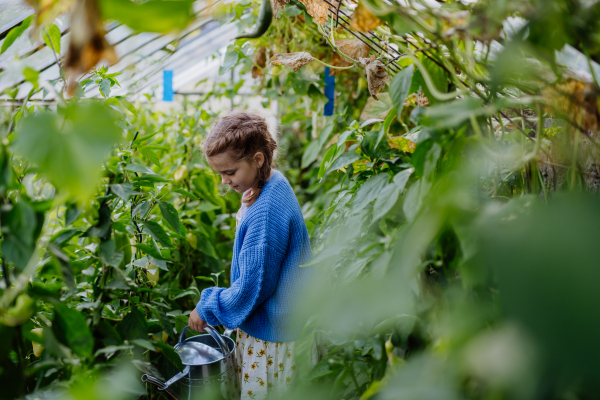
[260, 59]
[278, 5]
[293, 60]
[316, 9]
[363, 20]
[72, 153]
[377, 108]
[353, 48]
[88, 45]
[377, 76]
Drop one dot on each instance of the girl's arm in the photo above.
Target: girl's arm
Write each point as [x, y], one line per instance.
[259, 273]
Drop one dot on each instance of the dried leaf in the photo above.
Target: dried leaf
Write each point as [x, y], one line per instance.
[279, 5]
[363, 20]
[88, 45]
[403, 144]
[377, 76]
[48, 10]
[260, 59]
[353, 48]
[575, 100]
[316, 9]
[293, 60]
[422, 100]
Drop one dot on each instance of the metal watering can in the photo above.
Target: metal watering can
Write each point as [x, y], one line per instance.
[209, 362]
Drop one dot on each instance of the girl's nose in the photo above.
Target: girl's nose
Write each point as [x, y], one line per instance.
[225, 180]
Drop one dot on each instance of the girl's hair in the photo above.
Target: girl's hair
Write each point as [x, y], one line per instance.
[243, 134]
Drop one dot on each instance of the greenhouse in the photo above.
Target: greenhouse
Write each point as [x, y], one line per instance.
[291, 199]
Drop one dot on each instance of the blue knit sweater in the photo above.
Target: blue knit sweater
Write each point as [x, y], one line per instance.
[267, 282]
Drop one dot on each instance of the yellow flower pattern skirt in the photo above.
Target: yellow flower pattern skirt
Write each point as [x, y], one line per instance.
[262, 368]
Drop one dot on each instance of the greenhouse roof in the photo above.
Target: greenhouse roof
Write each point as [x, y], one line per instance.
[142, 57]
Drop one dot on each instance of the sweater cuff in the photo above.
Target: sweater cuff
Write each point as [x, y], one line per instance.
[206, 315]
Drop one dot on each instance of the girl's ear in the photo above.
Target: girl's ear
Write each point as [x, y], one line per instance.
[259, 158]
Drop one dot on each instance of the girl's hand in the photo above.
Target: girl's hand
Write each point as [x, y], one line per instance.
[195, 322]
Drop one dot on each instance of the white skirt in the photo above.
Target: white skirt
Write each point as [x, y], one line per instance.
[263, 368]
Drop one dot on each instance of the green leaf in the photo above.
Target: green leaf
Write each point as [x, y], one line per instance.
[151, 250]
[231, 58]
[206, 206]
[388, 197]
[368, 191]
[159, 16]
[108, 255]
[64, 264]
[123, 190]
[372, 145]
[152, 156]
[193, 291]
[344, 160]
[104, 87]
[16, 32]
[400, 86]
[326, 160]
[143, 343]
[134, 326]
[139, 168]
[311, 153]
[169, 353]
[323, 368]
[21, 226]
[51, 36]
[170, 215]
[185, 193]
[71, 329]
[157, 232]
[73, 151]
[205, 246]
[291, 10]
[142, 139]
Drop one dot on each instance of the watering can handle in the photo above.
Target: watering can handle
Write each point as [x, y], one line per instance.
[214, 333]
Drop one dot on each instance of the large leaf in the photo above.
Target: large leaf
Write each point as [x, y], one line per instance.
[69, 153]
[400, 86]
[389, 195]
[170, 215]
[369, 191]
[21, 226]
[344, 160]
[71, 329]
[123, 190]
[134, 325]
[157, 232]
[151, 16]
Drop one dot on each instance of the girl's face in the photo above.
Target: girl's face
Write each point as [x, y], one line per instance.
[240, 175]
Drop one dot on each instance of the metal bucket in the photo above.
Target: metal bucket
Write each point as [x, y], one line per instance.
[197, 379]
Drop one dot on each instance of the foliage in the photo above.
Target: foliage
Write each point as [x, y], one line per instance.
[449, 265]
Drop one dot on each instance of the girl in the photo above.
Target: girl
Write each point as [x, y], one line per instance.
[271, 243]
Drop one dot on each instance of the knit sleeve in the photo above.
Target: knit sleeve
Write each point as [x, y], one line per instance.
[260, 266]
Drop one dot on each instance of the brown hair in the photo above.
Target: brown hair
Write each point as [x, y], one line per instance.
[243, 134]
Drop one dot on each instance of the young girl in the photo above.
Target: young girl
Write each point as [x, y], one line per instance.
[271, 243]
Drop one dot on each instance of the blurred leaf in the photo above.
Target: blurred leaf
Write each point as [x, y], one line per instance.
[185, 193]
[159, 16]
[51, 36]
[150, 250]
[73, 150]
[139, 168]
[150, 155]
[16, 32]
[231, 58]
[123, 190]
[71, 329]
[65, 265]
[104, 87]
